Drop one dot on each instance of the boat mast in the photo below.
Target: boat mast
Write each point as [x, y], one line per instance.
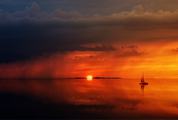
[142, 79]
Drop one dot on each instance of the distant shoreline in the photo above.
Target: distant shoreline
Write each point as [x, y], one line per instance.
[59, 78]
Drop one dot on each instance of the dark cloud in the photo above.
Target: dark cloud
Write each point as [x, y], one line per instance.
[174, 51]
[33, 32]
[90, 6]
[25, 41]
[129, 51]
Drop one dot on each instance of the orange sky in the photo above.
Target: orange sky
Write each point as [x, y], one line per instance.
[121, 44]
[158, 60]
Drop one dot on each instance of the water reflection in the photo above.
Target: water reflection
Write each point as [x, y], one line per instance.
[142, 88]
[102, 98]
[143, 84]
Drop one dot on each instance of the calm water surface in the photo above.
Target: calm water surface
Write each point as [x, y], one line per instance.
[102, 98]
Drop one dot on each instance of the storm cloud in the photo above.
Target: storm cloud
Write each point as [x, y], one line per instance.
[33, 32]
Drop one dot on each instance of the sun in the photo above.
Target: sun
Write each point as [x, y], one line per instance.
[89, 77]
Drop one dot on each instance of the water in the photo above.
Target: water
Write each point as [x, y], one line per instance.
[98, 98]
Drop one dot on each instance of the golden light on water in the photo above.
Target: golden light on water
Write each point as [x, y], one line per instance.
[89, 77]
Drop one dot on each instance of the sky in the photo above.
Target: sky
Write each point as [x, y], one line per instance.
[57, 38]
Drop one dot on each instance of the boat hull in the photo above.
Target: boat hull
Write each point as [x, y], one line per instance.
[144, 83]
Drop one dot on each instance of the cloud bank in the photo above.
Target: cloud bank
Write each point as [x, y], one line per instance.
[34, 32]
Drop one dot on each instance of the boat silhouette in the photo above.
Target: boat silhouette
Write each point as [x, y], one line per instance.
[143, 84]
[143, 81]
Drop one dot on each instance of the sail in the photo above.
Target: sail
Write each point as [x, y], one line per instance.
[142, 79]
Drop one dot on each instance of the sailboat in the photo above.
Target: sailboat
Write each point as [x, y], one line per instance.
[142, 83]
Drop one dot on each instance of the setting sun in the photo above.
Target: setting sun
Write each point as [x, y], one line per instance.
[89, 77]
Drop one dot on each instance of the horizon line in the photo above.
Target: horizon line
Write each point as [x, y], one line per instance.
[53, 78]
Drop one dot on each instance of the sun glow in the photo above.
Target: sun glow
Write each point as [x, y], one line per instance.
[89, 77]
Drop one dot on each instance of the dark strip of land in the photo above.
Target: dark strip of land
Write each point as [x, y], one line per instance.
[57, 78]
